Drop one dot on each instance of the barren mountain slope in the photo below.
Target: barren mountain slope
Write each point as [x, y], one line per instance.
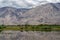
[44, 14]
[10, 15]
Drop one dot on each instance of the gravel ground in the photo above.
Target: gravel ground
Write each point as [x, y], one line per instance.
[30, 35]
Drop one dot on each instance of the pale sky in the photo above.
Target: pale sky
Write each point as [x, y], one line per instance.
[24, 3]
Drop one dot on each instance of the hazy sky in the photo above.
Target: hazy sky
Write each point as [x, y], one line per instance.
[24, 3]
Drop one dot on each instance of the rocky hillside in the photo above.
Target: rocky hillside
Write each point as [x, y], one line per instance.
[44, 14]
[10, 15]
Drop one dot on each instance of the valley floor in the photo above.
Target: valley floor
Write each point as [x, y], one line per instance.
[29, 32]
[30, 35]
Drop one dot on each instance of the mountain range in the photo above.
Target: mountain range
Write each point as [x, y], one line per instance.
[10, 15]
[44, 14]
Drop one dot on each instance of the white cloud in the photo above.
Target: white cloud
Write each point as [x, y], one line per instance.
[53, 0]
[24, 3]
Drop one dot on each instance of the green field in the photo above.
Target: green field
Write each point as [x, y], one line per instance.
[30, 27]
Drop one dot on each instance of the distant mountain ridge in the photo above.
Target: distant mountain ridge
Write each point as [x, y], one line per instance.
[10, 15]
[44, 14]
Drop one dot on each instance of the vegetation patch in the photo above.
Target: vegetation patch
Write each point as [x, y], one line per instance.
[30, 27]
